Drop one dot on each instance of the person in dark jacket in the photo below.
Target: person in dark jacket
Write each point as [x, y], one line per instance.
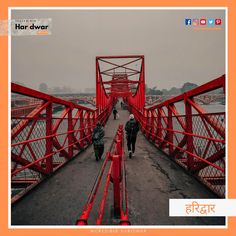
[131, 128]
[115, 113]
[121, 105]
[98, 140]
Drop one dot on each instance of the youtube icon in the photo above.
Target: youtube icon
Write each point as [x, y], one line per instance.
[203, 21]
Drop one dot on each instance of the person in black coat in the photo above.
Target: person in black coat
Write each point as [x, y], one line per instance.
[115, 113]
[98, 140]
[131, 128]
[121, 105]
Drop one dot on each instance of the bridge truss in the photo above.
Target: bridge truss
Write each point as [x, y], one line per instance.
[42, 141]
[191, 136]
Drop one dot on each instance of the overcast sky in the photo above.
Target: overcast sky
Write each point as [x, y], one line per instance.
[174, 53]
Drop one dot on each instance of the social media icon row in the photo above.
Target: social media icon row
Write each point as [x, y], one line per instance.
[203, 21]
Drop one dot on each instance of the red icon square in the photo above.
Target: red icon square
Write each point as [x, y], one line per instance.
[203, 21]
[218, 21]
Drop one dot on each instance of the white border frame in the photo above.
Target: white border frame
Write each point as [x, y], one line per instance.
[110, 227]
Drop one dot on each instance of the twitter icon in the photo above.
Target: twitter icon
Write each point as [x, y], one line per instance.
[210, 21]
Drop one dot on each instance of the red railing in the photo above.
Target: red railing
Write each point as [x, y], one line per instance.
[24, 110]
[115, 175]
[193, 138]
[42, 141]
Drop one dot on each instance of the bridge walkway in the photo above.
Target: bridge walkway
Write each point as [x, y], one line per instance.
[151, 180]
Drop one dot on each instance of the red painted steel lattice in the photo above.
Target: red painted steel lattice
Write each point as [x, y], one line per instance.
[47, 137]
[43, 140]
[194, 139]
[191, 136]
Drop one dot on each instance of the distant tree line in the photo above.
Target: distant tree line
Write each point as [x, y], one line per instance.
[43, 87]
[173, 91]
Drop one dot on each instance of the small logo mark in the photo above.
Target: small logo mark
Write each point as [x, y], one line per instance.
[218, 21]
[195, 22]
[203, 21]
[188, 22]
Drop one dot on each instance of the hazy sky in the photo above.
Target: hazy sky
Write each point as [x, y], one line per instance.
[174, 53]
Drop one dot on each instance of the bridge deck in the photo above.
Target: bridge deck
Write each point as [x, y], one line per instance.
[151, 178]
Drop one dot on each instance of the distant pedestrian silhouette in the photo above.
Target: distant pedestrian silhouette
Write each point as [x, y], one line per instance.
[121, 104]
[115, 113]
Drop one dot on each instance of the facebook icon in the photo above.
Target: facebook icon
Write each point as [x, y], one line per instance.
[188, 22]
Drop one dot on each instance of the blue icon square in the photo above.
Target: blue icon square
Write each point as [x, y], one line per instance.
[188, 21]
[210, 21]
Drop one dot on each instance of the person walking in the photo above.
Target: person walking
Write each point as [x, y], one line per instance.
[121, 105]
[98, 140]
[131, 128]
[115, 113]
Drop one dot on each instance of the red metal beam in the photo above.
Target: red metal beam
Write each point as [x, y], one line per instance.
[119, 57]
[212, 85]
[116, 151]
[36, 167]
[121, 82]
[24, 122]
[211, 121]
[125, 64]
[213, 158]
[16, 88]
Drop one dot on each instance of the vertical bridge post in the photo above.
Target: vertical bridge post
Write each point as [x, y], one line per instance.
[116, 184]
[49, 147]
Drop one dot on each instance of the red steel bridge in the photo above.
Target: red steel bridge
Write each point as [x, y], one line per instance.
[182, 154]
